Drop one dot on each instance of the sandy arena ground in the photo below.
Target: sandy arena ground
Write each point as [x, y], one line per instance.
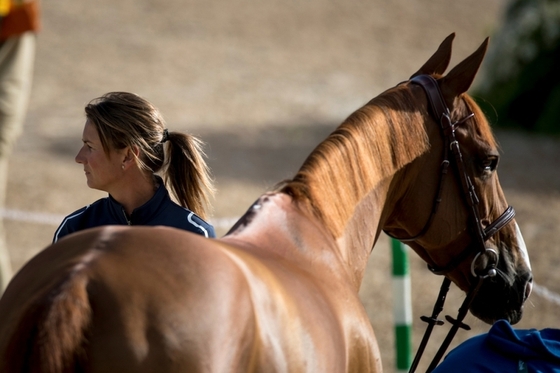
[263, 82]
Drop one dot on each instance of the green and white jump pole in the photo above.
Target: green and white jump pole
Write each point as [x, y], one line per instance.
[402, 307]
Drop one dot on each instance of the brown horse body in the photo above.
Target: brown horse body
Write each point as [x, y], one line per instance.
[159, 300]
[279, 293]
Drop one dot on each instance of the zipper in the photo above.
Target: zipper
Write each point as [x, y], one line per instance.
[126, 217]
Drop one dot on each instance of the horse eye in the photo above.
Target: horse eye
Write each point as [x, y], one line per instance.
[490, 164]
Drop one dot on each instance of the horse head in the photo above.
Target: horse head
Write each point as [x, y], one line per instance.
[461, 224]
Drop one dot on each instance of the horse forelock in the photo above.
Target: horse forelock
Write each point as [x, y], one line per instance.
[372, 144]
[482, 130]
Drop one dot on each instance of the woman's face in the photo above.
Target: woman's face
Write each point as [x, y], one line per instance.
[102, 171]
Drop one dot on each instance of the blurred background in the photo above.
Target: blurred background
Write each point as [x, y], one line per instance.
[263, 82]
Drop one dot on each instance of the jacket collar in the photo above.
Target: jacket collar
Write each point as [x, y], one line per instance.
[144, 214]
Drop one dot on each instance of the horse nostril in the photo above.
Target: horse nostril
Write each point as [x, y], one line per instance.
[528, 289]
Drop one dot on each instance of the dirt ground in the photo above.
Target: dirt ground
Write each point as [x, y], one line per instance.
[263, 82]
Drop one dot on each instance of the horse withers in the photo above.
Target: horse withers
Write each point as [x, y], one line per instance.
[279, 292]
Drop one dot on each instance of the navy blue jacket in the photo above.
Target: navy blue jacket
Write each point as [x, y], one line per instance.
[159, 210]
[504, 349]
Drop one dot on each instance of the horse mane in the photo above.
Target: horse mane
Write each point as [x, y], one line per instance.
[372, 144]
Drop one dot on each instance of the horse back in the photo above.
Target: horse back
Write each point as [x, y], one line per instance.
[110, 300]
[142, 299]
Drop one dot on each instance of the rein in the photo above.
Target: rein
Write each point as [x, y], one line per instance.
[451, 147]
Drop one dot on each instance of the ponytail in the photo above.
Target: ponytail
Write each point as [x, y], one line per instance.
[187, 173]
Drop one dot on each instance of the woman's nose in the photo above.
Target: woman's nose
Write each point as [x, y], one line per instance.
[78, 157]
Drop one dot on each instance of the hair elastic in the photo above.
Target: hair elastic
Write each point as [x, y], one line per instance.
[165, 136]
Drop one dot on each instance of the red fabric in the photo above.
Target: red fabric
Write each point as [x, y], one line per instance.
[22, 18]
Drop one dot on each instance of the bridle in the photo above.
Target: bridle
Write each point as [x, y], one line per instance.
[452, 151]
[442, 113]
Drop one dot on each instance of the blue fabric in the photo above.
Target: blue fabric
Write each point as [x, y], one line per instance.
[159, 210]
[504, 349]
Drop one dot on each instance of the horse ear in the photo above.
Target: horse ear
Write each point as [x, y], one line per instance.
[439, 60]
[460, 78]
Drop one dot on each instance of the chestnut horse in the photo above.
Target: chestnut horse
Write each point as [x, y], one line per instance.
[279, 292]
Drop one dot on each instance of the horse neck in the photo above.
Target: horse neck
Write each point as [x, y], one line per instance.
[346, 179]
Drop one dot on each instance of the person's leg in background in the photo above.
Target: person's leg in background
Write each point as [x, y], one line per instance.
[17, 55]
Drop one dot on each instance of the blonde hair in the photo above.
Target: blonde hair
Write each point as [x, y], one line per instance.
[125, 119]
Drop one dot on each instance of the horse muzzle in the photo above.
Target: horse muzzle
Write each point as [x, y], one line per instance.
[502, 296]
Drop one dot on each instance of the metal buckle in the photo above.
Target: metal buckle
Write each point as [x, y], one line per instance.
[489, 269]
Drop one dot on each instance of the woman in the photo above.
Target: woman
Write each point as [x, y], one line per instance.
[125, 143]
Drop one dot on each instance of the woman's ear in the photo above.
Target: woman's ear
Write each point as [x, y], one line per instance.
[130, 154]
